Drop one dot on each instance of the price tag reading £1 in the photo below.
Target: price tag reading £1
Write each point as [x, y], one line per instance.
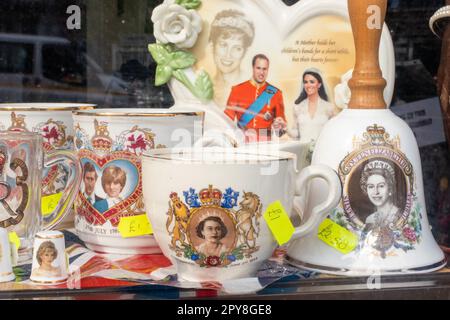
[49, 203]
[15, 245]
[134, 226]
[337, 237]
[279, 222]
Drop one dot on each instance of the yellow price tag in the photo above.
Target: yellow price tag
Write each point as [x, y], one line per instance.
[134, 226]
[49, 203]
[14, 239]
[279, 223]
[337, 237]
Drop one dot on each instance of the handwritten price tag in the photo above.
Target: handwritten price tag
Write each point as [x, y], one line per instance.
[134, 226]
[15, 245]
[14, 239]
[337, 237]
[279, 223]
[49, 203]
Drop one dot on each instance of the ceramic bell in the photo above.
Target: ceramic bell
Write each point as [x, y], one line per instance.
[377, 158]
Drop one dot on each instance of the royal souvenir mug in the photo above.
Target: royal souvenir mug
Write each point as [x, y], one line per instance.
[109, 143]
[207, 212]
[22, 160]
[54, 122]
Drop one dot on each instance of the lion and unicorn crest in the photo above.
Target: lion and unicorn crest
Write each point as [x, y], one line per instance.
[243, 216]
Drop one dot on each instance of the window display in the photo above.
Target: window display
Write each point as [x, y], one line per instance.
[245, 148]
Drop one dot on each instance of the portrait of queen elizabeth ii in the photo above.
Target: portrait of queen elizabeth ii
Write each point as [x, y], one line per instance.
[378, 193]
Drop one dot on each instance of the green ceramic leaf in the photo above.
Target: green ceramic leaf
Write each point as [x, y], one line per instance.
[204, 87]
[159, 53]
[163, 74]
[181, 60]
[189, 4]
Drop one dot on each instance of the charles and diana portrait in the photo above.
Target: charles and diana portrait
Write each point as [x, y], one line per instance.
[212, 232]
[377, 192]
[107, 187]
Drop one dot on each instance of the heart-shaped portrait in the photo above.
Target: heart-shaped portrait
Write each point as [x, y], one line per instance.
[110, 188]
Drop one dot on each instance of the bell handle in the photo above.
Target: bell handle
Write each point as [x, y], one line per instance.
[367, 84]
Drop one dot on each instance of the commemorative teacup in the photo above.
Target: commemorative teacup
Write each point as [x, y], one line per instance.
[207, 210]
[109, 144]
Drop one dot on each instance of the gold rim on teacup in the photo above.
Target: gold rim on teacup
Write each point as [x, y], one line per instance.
[240, 155]
[42, 106]
[144, 112]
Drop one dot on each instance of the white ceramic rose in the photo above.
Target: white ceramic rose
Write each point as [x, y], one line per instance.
[175, 24]
[342, 92]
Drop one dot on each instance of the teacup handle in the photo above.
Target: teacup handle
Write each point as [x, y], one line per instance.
[70, 191]
[320, 211]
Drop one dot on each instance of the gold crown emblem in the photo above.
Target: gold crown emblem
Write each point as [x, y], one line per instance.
[377, 134]
[101, 140]
[210, 196]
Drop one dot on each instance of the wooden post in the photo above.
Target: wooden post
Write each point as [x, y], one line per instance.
[443, 79]
[367, 84]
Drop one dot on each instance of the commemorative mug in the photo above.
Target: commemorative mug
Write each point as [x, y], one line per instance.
[22, 160]
[54, 122]
[207, 211]
[109, 143]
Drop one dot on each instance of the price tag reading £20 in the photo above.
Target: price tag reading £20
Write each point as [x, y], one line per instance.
[337, 237]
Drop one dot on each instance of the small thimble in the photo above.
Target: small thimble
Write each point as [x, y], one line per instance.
[50, 263]
[6, 271]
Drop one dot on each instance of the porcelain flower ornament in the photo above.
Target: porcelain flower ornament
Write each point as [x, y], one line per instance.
[175, 24]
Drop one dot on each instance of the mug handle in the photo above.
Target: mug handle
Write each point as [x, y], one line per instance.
[320, 211]
[70, 190]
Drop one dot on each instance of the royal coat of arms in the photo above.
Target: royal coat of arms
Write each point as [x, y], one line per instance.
[212, 228]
